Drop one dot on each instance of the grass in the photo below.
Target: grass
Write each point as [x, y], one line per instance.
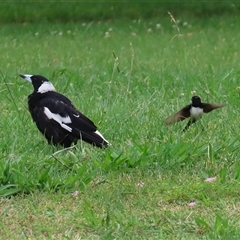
[141, 187]
[74, 11]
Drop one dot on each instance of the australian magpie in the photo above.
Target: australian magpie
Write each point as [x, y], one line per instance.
[57, 118]
[194, 111]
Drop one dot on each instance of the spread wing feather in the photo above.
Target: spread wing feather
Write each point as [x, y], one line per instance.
[208, 107]
[179, 116]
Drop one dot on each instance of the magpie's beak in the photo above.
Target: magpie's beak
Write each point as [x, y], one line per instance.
[26, 77]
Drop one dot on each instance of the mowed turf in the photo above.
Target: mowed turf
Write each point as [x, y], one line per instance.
[128, 77]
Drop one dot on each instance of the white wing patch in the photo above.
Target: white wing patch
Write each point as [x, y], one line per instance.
[196, 112]
[46, 87]
[61, 120]
[99, 134]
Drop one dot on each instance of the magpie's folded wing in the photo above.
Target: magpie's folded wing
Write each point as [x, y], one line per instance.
[67, 116]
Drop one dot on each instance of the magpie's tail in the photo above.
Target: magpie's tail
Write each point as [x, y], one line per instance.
[94, 138]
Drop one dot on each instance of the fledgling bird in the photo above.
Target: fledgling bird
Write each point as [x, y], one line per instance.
[57, 118]
[194, 111]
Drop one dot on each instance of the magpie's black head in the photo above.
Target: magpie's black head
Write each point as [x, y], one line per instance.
[196, 101]
[40, 83]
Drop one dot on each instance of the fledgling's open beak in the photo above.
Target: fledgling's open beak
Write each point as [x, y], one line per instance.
[26, 77]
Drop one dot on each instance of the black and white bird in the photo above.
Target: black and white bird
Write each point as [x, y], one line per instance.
[57, 118]
[194, 111]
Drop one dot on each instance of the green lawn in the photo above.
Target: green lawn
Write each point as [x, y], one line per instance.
[141, 187]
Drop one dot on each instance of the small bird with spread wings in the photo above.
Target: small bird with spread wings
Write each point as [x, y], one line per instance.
[194, 111]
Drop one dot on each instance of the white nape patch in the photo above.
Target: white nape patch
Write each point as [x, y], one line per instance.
[196, 112]
[99, 134]
[27, 77]
[46, 87]
[61, 120]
